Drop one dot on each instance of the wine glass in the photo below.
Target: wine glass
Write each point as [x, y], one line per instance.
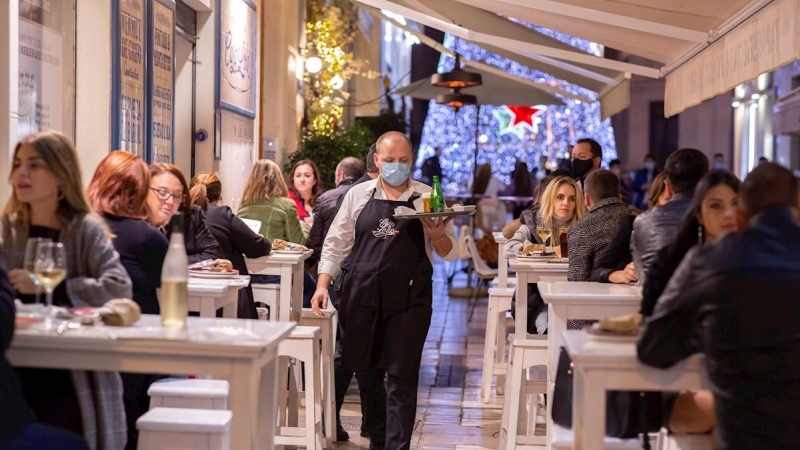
[31, 248]
[51, 269]
[545, 235]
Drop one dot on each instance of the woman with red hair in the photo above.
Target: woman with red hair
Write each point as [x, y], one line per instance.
[119, 190]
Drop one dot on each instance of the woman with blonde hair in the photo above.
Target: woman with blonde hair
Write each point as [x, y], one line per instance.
[47, 201]
[265, 199]
[561, 206]
[234, 236]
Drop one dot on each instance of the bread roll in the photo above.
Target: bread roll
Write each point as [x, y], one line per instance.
[629, 323]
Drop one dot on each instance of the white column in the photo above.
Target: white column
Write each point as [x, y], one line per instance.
[9, 32]
[93, 79]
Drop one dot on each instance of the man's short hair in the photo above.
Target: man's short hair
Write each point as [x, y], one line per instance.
[685, 168]
[768, 185]
[614, 162]
[597, 150]
[370, 160]
[718, 155]
[393, 135]
[352, 167]
[651, 157]
[601, 184]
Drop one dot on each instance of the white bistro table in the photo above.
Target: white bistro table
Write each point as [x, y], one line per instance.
[206, 295]
[242, 351]
[532, 271]
[601, 366]
[289, 266]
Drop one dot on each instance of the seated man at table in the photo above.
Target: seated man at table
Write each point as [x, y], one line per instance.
[730, 300]
[589, 236]
[17, 428]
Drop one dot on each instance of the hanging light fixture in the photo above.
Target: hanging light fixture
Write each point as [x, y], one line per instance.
[456, 99]
[457, 78]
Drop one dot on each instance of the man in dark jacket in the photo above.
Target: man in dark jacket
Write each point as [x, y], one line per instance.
[17, 428]
[655, 229]
[348, 171]
[732, 300]
[589, 236]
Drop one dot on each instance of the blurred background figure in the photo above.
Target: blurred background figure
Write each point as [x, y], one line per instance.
[432, 167]
[642, 180]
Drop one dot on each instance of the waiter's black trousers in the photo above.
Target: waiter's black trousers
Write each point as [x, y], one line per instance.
[399, 398]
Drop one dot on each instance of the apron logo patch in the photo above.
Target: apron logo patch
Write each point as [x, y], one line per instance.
[385, 229]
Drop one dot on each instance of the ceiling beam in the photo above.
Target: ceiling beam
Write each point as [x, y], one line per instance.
[617, 20]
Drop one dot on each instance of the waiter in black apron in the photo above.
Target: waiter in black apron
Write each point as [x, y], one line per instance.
[385, 285]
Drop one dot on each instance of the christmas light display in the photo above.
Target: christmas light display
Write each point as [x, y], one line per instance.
[508, 133]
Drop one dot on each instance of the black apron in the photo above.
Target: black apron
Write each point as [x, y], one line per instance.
[386, 292]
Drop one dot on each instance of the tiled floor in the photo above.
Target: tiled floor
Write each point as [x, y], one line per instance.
[450, 413]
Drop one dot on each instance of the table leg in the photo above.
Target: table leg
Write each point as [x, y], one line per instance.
[286, 294]
[590, 405]
[207, 307]
[502, 267]
[231, 308]
[243, 383]
[267, 399]
[521, 316]
[297, 276]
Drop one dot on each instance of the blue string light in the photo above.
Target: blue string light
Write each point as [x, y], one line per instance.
[455, 132]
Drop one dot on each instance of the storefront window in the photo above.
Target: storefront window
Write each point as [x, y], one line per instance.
[46, 84]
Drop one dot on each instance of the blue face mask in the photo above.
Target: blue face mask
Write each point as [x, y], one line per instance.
[649, 165]
[719, 165]
[395, 173]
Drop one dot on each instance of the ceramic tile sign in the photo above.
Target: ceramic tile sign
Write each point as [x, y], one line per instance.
[131, 73]
[40, 67]
[163, 79]
[236, 56]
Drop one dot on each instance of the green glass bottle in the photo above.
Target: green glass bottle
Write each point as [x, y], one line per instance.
[437, 198]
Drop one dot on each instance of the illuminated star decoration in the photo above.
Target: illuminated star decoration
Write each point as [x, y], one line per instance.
[517, 119]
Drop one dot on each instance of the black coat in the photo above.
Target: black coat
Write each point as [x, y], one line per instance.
[14, 412]
[617, 254]
[736, 301]
[324, 213]
[237, 240]
[200, 243]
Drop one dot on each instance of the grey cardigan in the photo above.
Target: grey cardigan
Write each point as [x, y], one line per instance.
[95, 275]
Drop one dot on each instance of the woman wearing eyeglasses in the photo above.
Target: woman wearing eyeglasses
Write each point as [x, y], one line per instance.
[169, 193]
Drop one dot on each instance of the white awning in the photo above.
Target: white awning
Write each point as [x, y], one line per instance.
[702, 48]
[608, 83]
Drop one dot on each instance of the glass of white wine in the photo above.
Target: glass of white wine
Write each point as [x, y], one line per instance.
[31, 249]
[545, 234]
[51, 269]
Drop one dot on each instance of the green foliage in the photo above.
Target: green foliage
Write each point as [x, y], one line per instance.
[327, 150]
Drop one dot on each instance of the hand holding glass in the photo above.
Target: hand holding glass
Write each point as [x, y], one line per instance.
[50, 268]
[31, 249]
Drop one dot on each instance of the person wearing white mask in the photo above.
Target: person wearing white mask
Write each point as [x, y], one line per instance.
[385, 288]
[719, 161]
[642, 180]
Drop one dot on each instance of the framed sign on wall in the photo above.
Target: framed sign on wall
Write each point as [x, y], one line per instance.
[162, 82]
[236, 53]
[128, 76]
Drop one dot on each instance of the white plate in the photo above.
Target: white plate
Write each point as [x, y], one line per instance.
[536, 257]
[290, 252]
[210, 274]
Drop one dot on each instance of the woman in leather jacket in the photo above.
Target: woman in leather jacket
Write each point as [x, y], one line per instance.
[712, 214]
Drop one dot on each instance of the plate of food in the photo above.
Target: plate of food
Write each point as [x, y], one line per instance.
[533, 251]
[623, 328]
[280, 246]
[22, 321]
[213, 268]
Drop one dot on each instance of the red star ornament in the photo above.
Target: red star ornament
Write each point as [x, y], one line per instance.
[524, 114]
